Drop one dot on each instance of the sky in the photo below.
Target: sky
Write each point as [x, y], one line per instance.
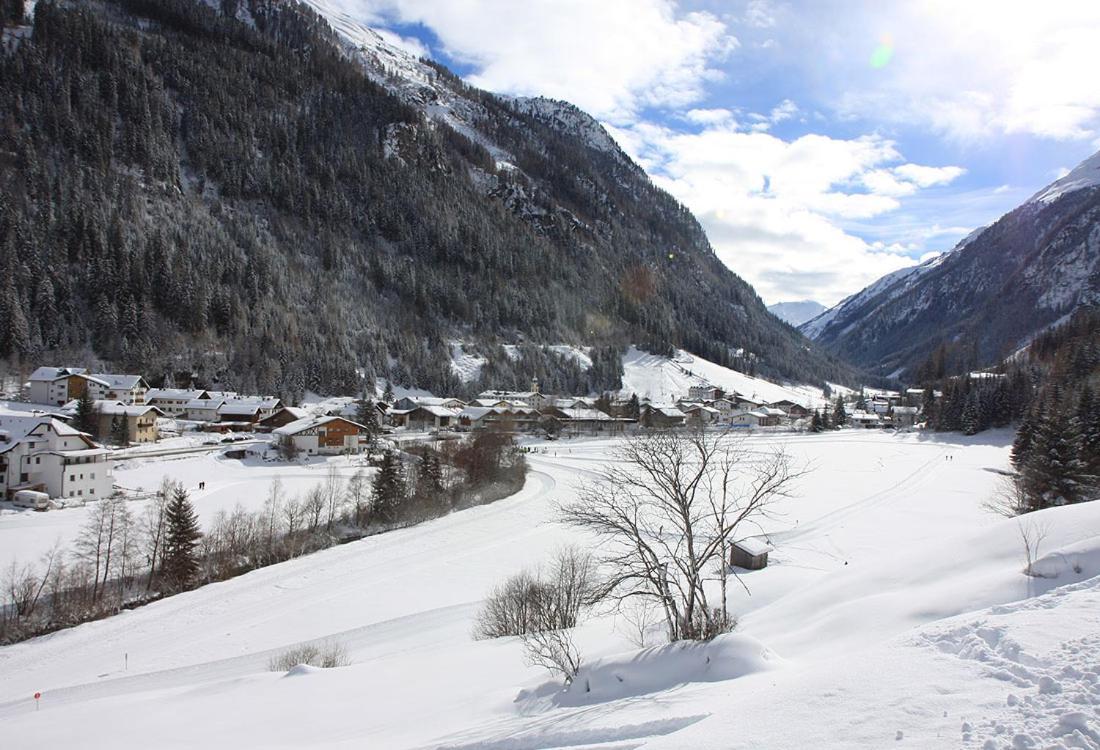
[821, 144]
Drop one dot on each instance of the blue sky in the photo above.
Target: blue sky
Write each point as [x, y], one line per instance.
[821, 144]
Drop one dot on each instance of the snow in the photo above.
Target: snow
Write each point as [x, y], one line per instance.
[662, 379]
[894, 611]
[1084, 175]
[466, 365]
[25, 535]
[796, 313]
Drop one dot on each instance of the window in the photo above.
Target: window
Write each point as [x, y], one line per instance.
[80, 492]
[93, 475]
[91, 491]
[38, 459]
[72, 477]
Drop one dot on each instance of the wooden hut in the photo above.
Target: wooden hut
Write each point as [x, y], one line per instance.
[750, 554]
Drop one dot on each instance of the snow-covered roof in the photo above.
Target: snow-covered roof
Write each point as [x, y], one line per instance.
[770, 411]
[474, 413]
[702, 408]
[668, 411]
[582, 414]
[117, 382]
[173, 394]
[293, 411]
[129, 410]
[905, 410]
[308, 423]
[238, 407]
[438, 411]
[263, 402]
[14, 427]
[753, 546]
[511, 395]
[53, 373]
[205, 403]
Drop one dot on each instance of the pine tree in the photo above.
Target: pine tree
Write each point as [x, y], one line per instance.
[179, 564]
[430, 490]
[840, 414]
[815, 422]
[387, 394]
[971, 415]
[86, 419]
[632, 408]
[1054, 473]
[366, 414]
[119, 434]
[389, 490]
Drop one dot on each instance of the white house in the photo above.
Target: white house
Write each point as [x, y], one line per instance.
[129, 389]
[704, 392]
[323, 435]
[173, 401]
[203, 409]
[40, 452]
[58, 386]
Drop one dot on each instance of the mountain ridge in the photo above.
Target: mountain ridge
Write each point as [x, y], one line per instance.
[987, 296]
[349, 222]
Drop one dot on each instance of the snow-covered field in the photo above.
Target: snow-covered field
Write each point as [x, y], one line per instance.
[25, 534]
[663, 380]
[893, 613]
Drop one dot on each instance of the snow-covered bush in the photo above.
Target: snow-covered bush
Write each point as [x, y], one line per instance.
[326, 655]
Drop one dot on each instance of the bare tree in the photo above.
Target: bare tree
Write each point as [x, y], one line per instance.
[333, 492]
[1009, 499]
[358, 497]
[667, 510]
[1032, 535]
[153, 526]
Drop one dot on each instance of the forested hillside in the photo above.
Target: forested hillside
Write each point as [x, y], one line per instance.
[222, 191]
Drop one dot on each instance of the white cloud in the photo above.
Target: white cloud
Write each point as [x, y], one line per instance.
[966, 69]
[612, 58]
[708, 116]
[774, 210]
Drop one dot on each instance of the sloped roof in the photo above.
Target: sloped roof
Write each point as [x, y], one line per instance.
[114, 381]
[308, 423]
[753, 546]
[121, 409]
[175, 394]
[53, 373]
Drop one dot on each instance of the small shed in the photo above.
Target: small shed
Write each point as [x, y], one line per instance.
[750, 554]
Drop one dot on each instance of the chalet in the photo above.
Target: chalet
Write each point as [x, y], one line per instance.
[474, 417]
[494, 403]
[790, 408]
[140, 421]
[760, 417]
[129, 389]
[408, 403]
[265, 405]
[745, 403]
[323, 436]
[581, 419]
[533, 398]
[173, 401]
[42, 453]
[704, 392]
[699, 415]
[57, 386]
[430, 417]
[204, 409]
[240, 412]
[750, 554]
[866, 420]
[904, 416]
[723, 406]
[662, 416]
[281, 418]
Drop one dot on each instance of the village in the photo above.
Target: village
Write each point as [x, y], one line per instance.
[57, 443]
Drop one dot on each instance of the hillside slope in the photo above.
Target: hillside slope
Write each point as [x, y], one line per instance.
[989, 295]
[241, 192]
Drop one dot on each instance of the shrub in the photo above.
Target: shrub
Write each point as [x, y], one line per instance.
[326, 656]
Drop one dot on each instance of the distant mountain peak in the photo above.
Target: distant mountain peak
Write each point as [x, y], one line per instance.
[1084, 175]
[798, 312]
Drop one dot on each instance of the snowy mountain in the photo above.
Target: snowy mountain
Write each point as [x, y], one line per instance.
[796, 313]
[988, 295]
[271, 155]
